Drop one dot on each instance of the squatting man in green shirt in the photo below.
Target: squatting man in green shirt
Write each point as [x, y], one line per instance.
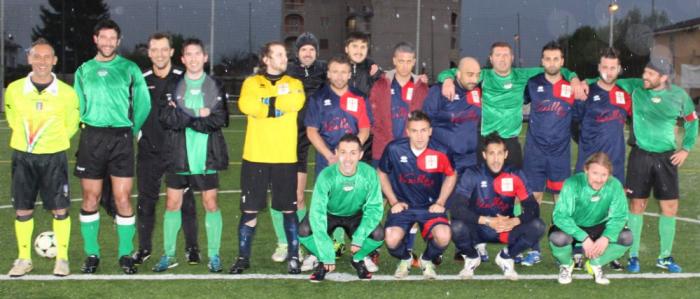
[347, 194]
[592, 210]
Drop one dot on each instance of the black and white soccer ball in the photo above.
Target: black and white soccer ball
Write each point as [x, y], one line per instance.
[45, 245]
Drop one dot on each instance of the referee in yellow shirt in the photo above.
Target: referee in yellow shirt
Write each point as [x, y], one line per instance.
[271, 101]
[43, 114]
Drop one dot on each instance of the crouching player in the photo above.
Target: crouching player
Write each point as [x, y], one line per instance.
[417, 177]
[482, 210]
[193, 112]
[347, 194]
[592, 210]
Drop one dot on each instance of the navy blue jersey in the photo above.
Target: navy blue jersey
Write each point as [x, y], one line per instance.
[550, 114]
[416, 180]
[491, 194]
[400, 99]
[602, 118]
[456, 123]
[335, 116]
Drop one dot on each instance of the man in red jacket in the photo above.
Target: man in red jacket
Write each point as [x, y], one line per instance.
[393, 96]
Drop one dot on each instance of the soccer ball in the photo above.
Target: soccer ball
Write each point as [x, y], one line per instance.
[45, 245]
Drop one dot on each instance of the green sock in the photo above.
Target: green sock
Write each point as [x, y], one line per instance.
[278, 225]
[613, 252]
[667, 232]
[635, 223]
[172, 221]
[126, 230]
[339, 235]
[367, 247]
[301, 213]
[90, 229]
[562, 254]
[213, 224]
[310, 245]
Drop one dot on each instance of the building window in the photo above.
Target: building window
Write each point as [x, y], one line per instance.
[454, 19]
[323, 43]
[351, 24]
[293, 4]
[325, 21]
[289, 43]
[453, 43]
[293, 24]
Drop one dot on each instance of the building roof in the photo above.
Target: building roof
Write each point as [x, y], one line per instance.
[683, 25]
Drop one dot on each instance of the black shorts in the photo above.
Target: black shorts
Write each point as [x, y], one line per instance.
[281, 178]
[196, 182]
[104, 152]
[349, 223]
[45, 174]
[303, 144]
[515, 152]
[646, 170]
[594, 232]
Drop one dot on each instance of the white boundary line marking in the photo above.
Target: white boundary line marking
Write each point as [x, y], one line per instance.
[684, 219]
[337, 277]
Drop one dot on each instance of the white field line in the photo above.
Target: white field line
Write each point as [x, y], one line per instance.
[684, 219]
[337, 277]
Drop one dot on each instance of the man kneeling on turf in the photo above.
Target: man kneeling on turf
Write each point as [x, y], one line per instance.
[347, 194]
[592, 210]
[482, 210]
[417, 178]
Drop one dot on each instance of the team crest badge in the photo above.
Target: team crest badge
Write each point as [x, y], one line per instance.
[102, 73]
[656, 100]
[484, 184]
[431, 162]
[508, 85]
[403, 159]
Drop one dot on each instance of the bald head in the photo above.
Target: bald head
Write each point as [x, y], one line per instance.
[468, 72]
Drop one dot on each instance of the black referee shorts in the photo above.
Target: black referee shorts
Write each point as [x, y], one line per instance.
[105, 151]
[281, 178]
[45, 174]
[647, 170]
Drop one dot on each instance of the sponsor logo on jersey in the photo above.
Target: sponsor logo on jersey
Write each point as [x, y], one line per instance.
[348, 186]
[431, 162]
[102, 73]
[540, 88]
[507, 185]
[595, 198]
[656, 100]
[596, 98]
[508, 85]
[327, 102]
[403, 159]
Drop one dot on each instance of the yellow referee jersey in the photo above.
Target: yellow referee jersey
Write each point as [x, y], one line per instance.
[271, 139]
[41, 122]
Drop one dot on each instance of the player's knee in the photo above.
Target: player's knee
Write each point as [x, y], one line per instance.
[441, 234]
[537, 226]
[60, 214]
[304, 229]
[625, 237]
[377, 234]
[459, 228]
[560, 239]
[249, 219]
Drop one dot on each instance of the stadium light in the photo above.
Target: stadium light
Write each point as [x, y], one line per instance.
[612, 8]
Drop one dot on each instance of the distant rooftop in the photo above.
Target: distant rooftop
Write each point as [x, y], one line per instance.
[687, 24]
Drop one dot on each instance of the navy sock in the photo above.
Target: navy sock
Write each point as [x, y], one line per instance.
[245, 235]
[291, 223]
[400, 252]
[432, 251]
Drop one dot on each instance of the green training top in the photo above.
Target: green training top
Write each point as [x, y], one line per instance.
[112, 94]
[340, 195]
[502, 108]
[196, 142]
[655, 114]
[581, 206]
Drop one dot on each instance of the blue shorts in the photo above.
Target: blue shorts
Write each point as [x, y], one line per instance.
[545, 171]
[425, 219]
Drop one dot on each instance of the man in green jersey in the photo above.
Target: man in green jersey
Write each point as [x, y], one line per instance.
[653, 162]
[193, 111]
[503, 88]
[42, 113]
[347, 194]
[592, 210]
[114, 103]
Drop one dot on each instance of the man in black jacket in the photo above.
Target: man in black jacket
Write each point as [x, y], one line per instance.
[193, 111]
[150, 165]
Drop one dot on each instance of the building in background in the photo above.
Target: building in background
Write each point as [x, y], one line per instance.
[386, 22]
[681, 41]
